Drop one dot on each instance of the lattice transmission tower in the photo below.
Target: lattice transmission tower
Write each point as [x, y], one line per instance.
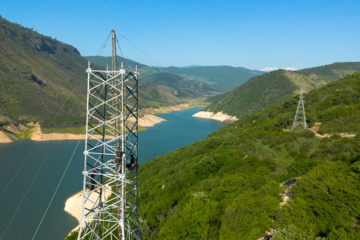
[110, 186]
[300, 118]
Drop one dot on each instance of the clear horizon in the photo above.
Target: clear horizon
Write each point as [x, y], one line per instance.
[256, 35]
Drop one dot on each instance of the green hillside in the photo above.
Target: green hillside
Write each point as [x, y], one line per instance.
[41, 79]
[225, 78]
[271, 88]
[183, 87]
[151, 96]
[215, 98]
[229, 185]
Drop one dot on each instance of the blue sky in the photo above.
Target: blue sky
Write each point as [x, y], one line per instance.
[253, 34]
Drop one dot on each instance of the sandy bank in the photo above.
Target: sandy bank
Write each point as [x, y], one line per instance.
[73, 205]
[148, 120]
[37, 135]
[19, 129]
[7, 135]
[219, 116]
[4, 138]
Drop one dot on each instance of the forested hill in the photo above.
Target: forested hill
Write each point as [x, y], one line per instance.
[38, 75]
[230, 184]
[271, 88]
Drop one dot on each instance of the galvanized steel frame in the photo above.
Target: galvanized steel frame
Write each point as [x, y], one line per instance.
[300, 118]
[110, 193]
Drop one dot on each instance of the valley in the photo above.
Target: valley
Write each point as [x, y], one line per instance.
[198, 178]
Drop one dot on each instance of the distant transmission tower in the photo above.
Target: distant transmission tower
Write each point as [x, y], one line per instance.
[300, 118]
[110, 187]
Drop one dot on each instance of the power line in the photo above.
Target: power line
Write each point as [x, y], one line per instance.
[148, 56]
[18, 170]
[67, 98]
[57, 188]
[27, 191]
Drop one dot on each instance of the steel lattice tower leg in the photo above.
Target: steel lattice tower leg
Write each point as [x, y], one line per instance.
[110, 192]
[300, 118]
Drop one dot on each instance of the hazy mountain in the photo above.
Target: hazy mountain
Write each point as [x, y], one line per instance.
[268, 89]
[177, 85]
[191, 66]
[225, 78]
[144, 70]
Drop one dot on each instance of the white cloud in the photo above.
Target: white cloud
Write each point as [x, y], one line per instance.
[291, 69]
[269, 69]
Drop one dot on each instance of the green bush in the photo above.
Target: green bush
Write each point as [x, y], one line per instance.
[293, 233]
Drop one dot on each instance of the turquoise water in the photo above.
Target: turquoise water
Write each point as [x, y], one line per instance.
[48, 160]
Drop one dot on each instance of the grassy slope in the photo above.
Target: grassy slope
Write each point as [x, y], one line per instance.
[38, 75]
[271, 88]
[215, 98]
[257, 93]
[227, 185]
[183, 87]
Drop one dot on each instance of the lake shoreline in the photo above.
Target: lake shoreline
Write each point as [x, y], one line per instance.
[147, 120]
[73, 205]
[52, 157]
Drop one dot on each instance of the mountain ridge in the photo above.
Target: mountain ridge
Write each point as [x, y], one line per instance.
[271, 88]
[179, 86]
[44, 80]
[222, 77]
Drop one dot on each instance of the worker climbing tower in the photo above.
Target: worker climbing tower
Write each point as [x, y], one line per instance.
[110, 187]
[300, 118]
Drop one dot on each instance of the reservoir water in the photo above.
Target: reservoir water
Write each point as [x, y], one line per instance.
[48, 160]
